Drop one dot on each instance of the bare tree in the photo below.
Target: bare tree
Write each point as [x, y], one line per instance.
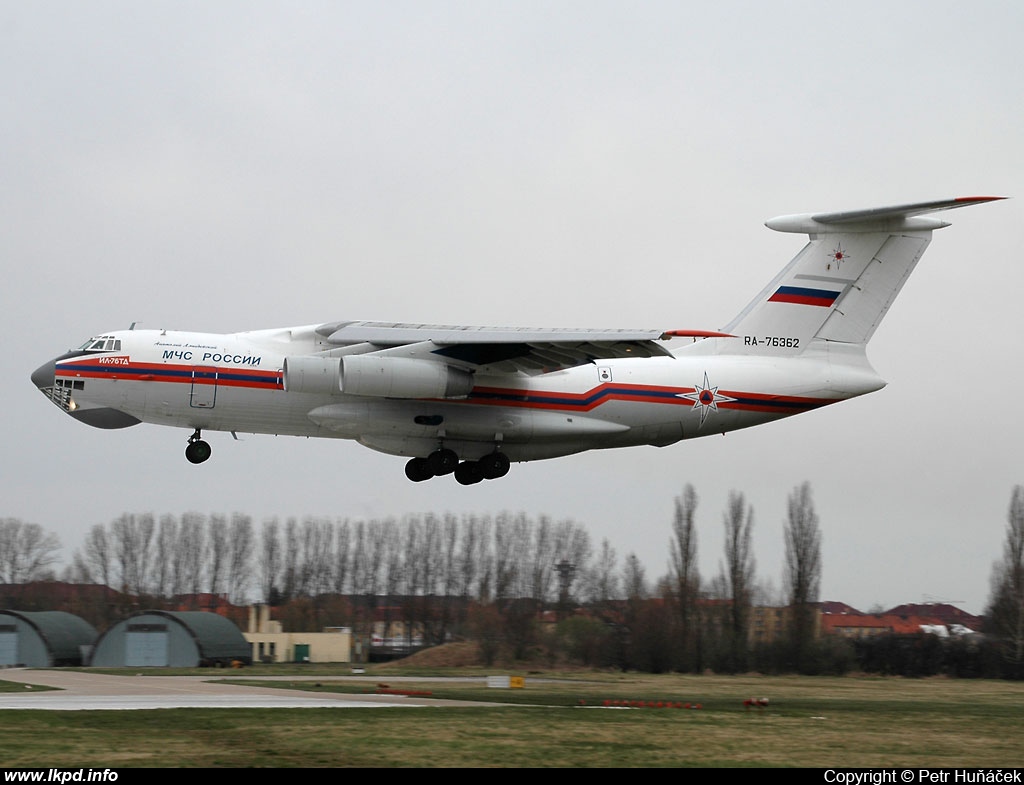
[803, 571]
[342, 547]
[450, 544]
[425, 567]
[739, 576]
[686, 577]
[165, 546]
[542, 561]
[290, 577]
[571, 557]
[391, 561]
[78, 571]
[191, 539]
[377, 532]
[636, 638]
[96, 554]
[240, 549]
[270, 560]
[430, 555]
[180, 560]
[359, 559]
[468, 557]
[511, 545]
[448, 582]
[217, 543]
[1005, 614]
[513, 581]
[131, 537]
[476, 560]
[634, 579]
[392, 572]
[307, 562]
[415, 572]
[602, 584]
[317, 549]
[572, 544]
[26, 551]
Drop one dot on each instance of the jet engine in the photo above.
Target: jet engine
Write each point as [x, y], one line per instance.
[375, 376]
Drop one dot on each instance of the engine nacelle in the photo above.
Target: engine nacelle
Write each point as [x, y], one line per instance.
[321, 375]
[378, 377]
[402, 377]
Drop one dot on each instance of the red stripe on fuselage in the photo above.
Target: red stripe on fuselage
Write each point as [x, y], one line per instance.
[604, 393]
[226, 376]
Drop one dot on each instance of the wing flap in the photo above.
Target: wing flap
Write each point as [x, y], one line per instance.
[395, 333]
[503, 350]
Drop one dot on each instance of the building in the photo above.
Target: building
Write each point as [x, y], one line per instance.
[44, 639]
[268, 642]
[180, 639]
[937, 619]
[955, 620]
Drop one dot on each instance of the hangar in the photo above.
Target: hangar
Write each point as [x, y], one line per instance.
[179, 639]
[44, 639]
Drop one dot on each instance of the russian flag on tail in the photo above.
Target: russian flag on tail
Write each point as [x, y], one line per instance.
[803, 296]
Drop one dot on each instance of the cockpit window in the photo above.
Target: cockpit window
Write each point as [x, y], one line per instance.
[104, 343]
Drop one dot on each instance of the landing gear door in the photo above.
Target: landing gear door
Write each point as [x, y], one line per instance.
[204, 387]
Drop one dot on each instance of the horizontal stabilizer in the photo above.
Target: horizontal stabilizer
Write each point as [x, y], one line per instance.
[875, 219]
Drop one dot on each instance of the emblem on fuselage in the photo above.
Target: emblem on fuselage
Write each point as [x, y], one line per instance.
[705, 398]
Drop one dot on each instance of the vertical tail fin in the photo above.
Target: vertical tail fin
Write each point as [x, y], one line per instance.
[840, 286]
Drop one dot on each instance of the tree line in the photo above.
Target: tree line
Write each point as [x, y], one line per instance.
[490, 577]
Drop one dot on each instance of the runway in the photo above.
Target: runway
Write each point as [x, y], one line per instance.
[78, 690]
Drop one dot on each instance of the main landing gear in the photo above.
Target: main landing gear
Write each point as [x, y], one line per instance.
[445, 461]
[197, 450]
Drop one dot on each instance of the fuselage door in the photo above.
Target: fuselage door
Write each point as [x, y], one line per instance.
[204, 387]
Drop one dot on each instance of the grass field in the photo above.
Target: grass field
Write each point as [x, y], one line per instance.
[809, 722]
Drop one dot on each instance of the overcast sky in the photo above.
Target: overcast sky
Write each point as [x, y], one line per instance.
[238, 165]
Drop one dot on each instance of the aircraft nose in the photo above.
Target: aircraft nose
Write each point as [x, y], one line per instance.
[42, 377]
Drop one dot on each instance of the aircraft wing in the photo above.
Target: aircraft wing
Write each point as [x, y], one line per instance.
[494, 349]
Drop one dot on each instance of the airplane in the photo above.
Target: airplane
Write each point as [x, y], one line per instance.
[469, 401]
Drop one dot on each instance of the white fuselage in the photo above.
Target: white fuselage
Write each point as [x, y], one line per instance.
[238, 383]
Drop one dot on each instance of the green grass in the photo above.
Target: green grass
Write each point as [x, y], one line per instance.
[17, 686]
[810, 722]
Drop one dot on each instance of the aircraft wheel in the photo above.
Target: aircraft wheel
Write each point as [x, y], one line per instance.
[442, 461]
[197, 451]
[468, 473]
[495, 465]
[418, 470]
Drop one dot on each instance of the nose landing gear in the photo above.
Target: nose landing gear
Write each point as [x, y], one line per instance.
[197, 450]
